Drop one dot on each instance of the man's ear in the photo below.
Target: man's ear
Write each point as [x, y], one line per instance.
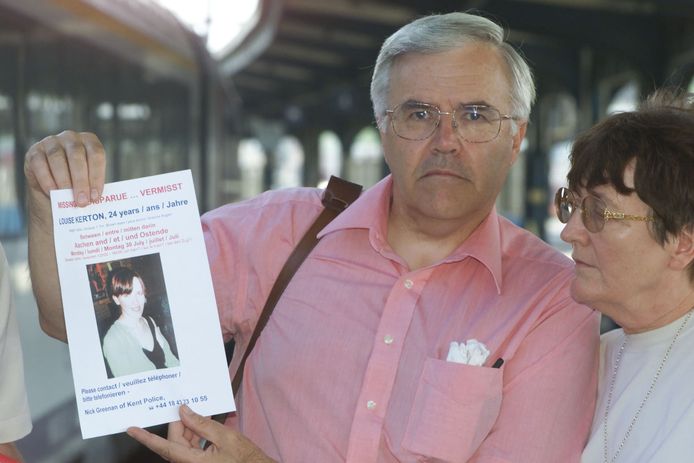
[683, 250]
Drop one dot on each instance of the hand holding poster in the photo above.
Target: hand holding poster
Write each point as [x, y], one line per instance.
[139, 306]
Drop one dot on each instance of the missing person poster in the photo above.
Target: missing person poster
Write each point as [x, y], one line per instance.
[140, 311]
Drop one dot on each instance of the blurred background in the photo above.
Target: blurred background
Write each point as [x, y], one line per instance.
[258, 94]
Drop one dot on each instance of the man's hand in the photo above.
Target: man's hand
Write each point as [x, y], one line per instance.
[182, 446]
[67, 160]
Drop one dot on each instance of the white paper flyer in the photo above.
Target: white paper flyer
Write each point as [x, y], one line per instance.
[142, 324]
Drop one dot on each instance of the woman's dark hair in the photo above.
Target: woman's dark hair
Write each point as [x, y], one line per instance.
[659, 136]
[121, 281]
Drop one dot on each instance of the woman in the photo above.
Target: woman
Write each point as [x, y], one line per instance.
[133, 343]
[632, 181]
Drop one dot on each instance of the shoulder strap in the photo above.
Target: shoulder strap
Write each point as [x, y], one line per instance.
[337, 196]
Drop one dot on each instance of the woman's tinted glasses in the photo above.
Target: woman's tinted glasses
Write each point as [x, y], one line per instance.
[594, 212]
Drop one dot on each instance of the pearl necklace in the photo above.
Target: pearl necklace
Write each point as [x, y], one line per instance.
[645, 399]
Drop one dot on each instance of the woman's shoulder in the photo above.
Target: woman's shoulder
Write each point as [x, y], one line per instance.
[117, 331]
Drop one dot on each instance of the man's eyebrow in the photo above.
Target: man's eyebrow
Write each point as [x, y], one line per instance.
[475, 103]
[415, 103]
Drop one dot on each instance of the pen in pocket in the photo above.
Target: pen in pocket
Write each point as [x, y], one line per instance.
[498, 363]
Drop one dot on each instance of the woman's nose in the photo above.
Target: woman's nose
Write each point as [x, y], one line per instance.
[574, 230]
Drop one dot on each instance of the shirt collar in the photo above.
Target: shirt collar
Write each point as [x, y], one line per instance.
[370, 211]
[484, 245]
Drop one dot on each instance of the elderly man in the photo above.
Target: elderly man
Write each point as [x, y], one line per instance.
[360, 360]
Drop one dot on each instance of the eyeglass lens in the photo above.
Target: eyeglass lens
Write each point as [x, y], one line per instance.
[592, 209]
[475, 123]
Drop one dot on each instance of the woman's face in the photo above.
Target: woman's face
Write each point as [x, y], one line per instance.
[621, 269]
[132, 304]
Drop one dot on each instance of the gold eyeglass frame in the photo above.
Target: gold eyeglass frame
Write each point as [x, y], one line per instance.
[564, 195]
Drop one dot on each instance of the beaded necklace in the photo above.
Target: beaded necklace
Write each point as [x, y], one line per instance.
[646, 397]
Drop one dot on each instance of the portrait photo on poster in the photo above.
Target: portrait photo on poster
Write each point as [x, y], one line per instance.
[133, 316]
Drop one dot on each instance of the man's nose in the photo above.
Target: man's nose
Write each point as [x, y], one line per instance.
[454, 121]
[447, 132]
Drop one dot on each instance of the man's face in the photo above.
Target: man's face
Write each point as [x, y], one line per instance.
[445, 177]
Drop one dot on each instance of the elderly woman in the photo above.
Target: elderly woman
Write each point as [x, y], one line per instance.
[632, 182]
[134, 342]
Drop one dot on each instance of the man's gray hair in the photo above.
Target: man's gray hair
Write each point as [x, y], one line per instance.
[440, 33]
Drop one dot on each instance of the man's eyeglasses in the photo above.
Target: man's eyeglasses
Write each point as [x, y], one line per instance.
[594, 213]
[474, 123]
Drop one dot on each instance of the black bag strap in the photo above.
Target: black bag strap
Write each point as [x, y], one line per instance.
[338, 195]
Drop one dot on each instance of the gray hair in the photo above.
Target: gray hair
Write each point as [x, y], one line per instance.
[669, 97]
[440, 33]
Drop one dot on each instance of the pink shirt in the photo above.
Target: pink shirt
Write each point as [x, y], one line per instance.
[352, 364]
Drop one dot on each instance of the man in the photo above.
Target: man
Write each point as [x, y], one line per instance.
[15, 420]
[352, 364]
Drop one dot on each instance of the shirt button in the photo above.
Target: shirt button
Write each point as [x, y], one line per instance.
[388, 339]
[370, 404]
[408, 284]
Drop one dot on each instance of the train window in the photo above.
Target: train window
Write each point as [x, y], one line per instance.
[133, 112]
[626, 98]
[558, 168]
[10, 217]
[559, 122]
[366, 158]
[511, 201]
[49, 113]
[251, 161]
[329, 156]
[289, 163]
[104, 111]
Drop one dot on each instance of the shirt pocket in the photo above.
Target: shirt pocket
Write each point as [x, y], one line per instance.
[454, 409]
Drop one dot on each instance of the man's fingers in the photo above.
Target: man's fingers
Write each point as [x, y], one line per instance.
[96, 163]
[55, 155]
[170, 451]
[151, 441]
[76, 155]
[203, 427]
[182, 435]
[229, 445]
[37, 170]
[191, 437]
[68, 160]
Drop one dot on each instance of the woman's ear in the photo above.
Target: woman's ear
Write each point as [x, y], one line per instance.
[683, 250]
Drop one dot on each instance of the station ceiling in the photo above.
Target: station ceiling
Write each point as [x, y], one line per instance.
[310, 61]
[307, 64]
